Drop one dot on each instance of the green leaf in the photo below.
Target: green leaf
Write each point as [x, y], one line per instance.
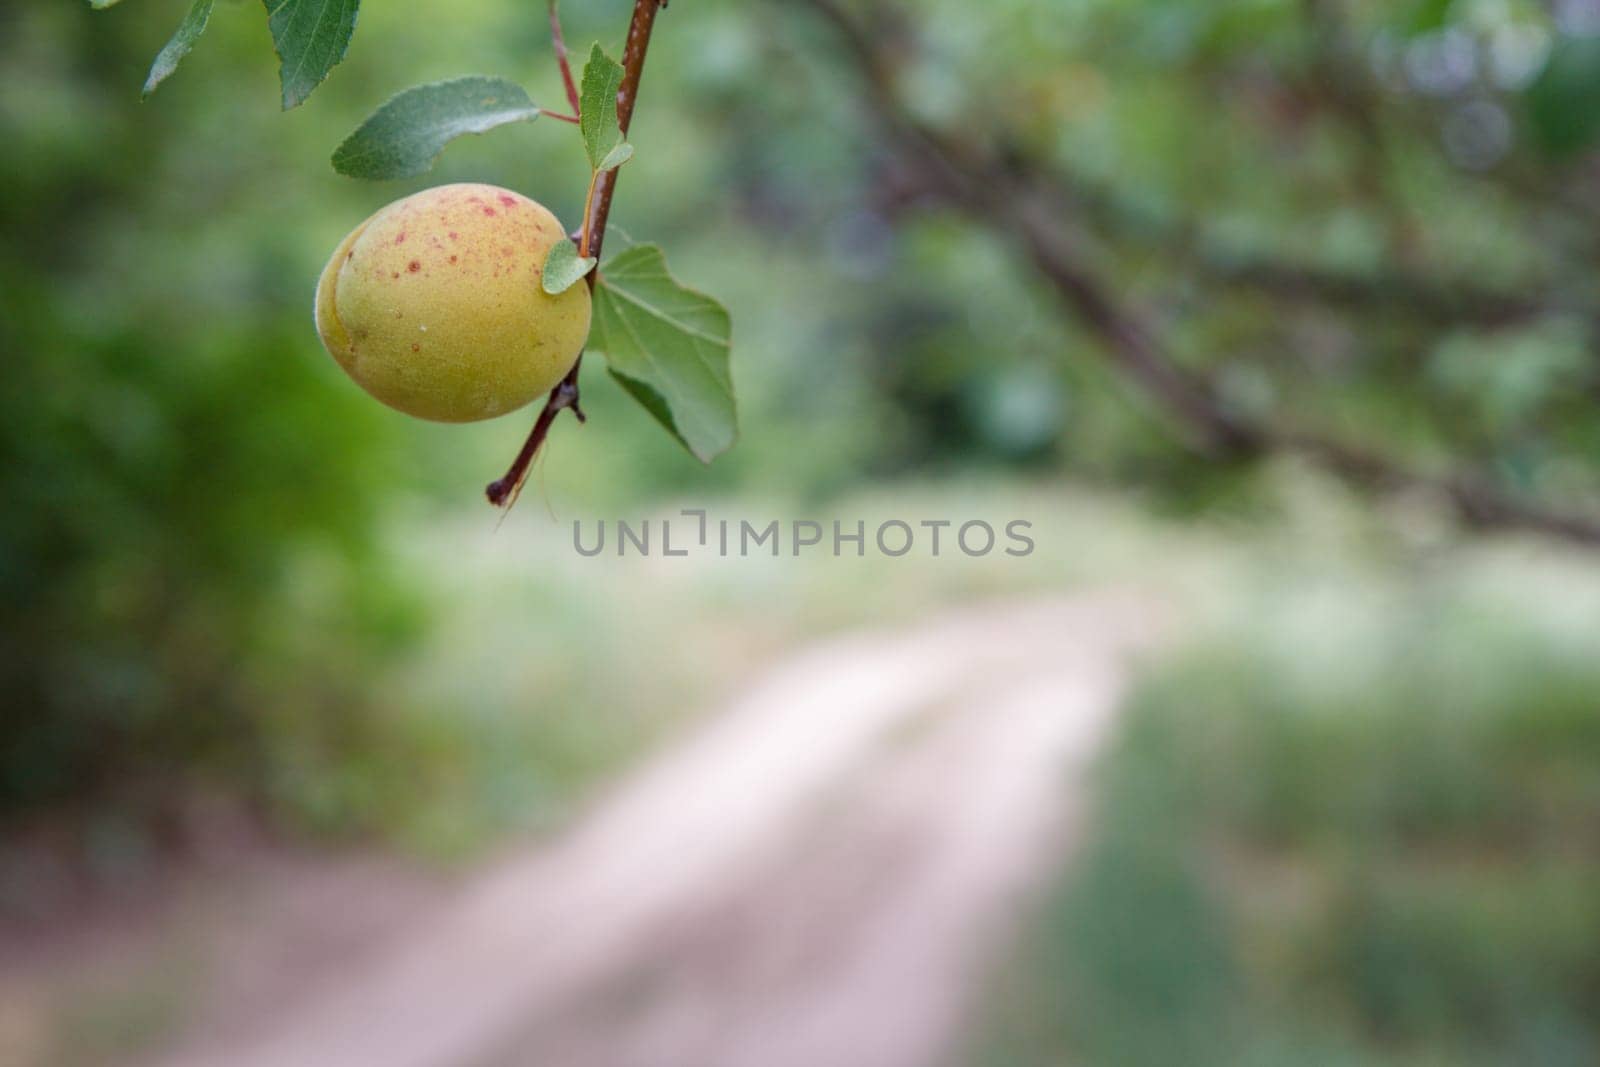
[182, 42]
[564, 268]
[101, 5]
[311, 37]
[617, 156]
[404, 136]
[597, 115]
[668, 345]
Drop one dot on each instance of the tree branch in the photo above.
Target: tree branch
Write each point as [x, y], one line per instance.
[994, 195]
[1404, 294]
[502, 492]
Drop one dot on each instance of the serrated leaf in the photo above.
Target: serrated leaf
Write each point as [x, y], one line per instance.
[406, 134]
[668, 346]
[617, 156]
[181, 44]
[597, 113]
[311, 37]
[564, 268]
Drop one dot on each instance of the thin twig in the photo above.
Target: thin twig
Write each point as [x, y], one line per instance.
[560, 44]
[502, 492]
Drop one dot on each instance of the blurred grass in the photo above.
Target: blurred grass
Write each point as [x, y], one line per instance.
[1357, 823]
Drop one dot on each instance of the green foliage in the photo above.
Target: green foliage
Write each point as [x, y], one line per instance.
[564, 268]
[174, 525]
[1563, 105]
[189, 497]
[1426, 15]
[311, 37]
[597, 116]
[182, 43]
[404, 136]
[668, 346]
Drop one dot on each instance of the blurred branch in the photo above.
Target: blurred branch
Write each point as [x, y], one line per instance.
[1402, 293]
[502, 492]
[974, 180]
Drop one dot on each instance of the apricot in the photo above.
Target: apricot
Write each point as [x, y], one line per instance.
[434, 304]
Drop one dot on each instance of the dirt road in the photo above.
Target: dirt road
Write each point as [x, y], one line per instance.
[819, 875]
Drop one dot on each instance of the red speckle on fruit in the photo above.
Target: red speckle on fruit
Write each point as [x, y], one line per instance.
[415, 347]
[508, 201]
[454, 258]
[401, 239]
[454, 236]
[413, 266]
[395, 274]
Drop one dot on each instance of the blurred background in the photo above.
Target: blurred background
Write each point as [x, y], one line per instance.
[1277, 319]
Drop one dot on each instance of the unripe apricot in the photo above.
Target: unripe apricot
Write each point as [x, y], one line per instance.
[434, 304]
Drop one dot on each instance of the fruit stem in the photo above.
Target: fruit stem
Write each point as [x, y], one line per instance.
[503, 491]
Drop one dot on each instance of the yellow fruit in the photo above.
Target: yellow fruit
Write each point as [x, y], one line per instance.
[434, 304]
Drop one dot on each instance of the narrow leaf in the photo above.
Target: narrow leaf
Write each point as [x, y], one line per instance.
[564, 268]
[617, 156]
[597, 117]
[668, 345]
[311, 37]
[182, 42]
[404, 136]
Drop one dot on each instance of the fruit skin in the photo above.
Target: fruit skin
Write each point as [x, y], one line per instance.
[434, 304]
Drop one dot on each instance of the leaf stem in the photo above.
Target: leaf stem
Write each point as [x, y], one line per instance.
[559, 116]
[584, 236]
[503, 491]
